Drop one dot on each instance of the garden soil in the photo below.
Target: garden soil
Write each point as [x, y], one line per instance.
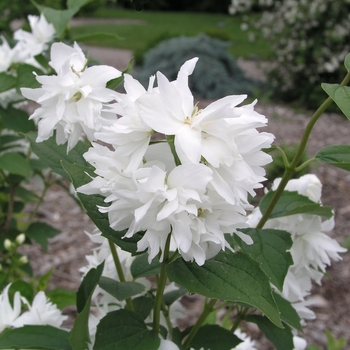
[330, 301]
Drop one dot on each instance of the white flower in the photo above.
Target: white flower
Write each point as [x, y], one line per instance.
[312, 249]
[72, 101]
[6, 55]
[34, 43]
[247, 342]
[167, 345]
[129, 135]
[41, 312]
[222, 135]
[9, 313]
[299, 343]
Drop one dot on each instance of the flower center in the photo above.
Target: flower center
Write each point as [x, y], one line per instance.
[76, 97]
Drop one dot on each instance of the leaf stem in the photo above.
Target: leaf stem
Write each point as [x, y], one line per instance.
[161, 286]
[120, 272]
[239, 318]
[292, 168]
[207, 309]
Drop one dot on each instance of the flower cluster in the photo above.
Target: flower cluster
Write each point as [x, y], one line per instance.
[312, 248]
[199, 194]
[27, 47]
[40, 312]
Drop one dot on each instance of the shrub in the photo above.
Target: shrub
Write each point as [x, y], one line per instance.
[310, 40]
[217, 73]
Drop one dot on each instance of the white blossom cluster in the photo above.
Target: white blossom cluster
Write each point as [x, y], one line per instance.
[197, 191]
[312, 249]
[40, 312]
[28, 45]
[239, 6]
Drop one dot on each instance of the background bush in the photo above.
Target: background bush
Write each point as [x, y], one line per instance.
[310, 40]
[216, 75]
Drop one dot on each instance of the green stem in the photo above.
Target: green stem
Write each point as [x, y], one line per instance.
[9, 215]
[171, 141]
[207, 309]
[305, 164]
[161, 286]
[239, 318]
[120, 272]
[292, 168]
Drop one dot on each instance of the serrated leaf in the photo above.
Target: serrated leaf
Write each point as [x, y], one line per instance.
[120, 290]
[125, 330]
[62, 297]
[7, 81]
[59, 18]
[214, 337]
[15, 163]
[230, 277]
[35, 337]
[114, 83]
[171, 297]
[88, 285]
[80, 336]
[143, 306]
[52, 154]
[16, 119]
[340, 95]
[141, 268]
[41, 232]
[270, 249]
[336, 155]
[288, 313]
[78, 176]
[281, 338]
[24, 288]
[291, 203]
[26, 77]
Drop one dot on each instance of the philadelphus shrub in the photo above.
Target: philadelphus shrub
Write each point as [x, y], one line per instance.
[167, 184]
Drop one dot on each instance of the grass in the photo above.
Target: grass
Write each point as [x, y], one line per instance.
[154, 25]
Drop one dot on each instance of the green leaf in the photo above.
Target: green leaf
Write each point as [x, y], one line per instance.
[141, 268]
[340, 95]
[35, 337]
[16, 119]
[281, 338]
[26, 195]
[15, 163]
[230, 277]
[25, 289]
[80, 333]
[171, 297]
[62, 297]
[291, 203]
[41, 232]
[88, 285]
[114, 83]
[336, 155]
[59, 18]
[90, 203]
[124, 330]
[43, 281]
[214, 337]
[347, 62]
[288, 313]
[120, 290]
[333, 343]
[7, 81]
[52, 154]
[270, 249]
[143, 306]
[26, 77]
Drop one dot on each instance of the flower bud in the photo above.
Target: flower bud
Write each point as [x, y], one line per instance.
[8, 244]
[23, 260]
[20, 238]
